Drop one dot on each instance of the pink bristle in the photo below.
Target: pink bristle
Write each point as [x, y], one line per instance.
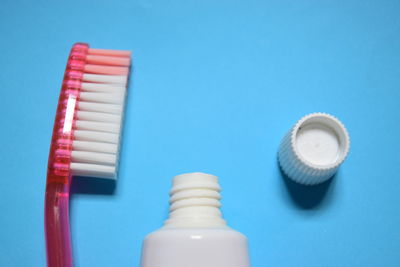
[109, 52]
[108, 70]
[108, 60]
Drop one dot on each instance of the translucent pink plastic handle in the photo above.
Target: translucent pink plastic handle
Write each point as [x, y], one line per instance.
[58, 240]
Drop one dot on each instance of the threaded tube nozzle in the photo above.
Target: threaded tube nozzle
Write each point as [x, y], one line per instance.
[195, 201]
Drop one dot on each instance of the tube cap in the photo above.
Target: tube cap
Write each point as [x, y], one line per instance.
[312, 151]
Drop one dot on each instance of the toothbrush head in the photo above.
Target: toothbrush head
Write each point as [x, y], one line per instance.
[86, 135]
[88, 125]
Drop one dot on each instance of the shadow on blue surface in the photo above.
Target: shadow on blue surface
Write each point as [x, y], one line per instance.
[305, 196]
[94, 186]
[87, 186]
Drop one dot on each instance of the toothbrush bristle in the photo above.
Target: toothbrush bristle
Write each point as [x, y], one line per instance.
[99, 113]
[108, 79]
[107, 70]
[109, 52]
[108, 60]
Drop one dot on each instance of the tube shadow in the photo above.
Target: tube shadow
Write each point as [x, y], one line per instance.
[306, 196]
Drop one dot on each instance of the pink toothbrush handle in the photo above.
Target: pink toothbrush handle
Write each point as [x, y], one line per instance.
[58, 239]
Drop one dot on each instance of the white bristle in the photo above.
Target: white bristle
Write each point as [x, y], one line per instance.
[94, 147]
[102, 88]
[98, 116]
[100, 105]
[117, 79]
[93, 170]
[107, 98]
[93, 157]
[94, 136]
[97, 126]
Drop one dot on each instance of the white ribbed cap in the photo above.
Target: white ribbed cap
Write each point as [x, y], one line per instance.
[312, 151]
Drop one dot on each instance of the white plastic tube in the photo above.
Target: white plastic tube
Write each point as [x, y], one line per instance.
[195, 235]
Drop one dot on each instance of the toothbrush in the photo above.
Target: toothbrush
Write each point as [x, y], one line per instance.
[86, 136]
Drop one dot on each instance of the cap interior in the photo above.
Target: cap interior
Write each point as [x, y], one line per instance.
[321, 141]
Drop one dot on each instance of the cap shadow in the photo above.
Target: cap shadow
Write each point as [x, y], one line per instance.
[307, 197]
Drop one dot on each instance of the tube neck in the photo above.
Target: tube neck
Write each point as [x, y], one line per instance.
[195, 202]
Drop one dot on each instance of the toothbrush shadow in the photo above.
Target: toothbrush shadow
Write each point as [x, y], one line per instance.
[307, 196]
[92, 186]
[87, 186]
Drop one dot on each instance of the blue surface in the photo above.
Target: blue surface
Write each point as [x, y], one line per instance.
[215, 86]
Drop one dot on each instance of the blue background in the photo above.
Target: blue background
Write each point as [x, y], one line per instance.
[215, 86]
